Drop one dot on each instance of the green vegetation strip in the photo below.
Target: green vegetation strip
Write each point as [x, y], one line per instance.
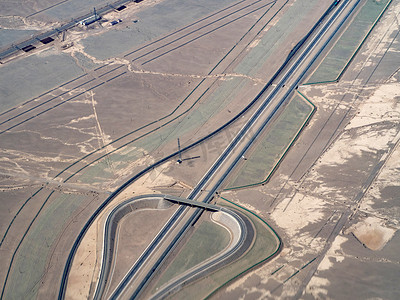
[209, 239]
[266, 245]
[341, 55]
[269, 153]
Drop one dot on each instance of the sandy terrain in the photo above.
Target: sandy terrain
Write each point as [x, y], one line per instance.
[335, 208]
[85, 268]
[113, 109]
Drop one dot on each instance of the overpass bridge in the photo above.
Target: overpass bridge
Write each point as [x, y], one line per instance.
[192, 203]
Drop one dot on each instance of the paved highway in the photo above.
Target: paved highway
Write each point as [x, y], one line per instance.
[297, 64]
[110, 233]
[231, 254]
[242, 238]
[303, 56]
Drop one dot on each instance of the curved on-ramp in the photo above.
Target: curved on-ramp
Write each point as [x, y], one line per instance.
[240, 226]
[242, 238]
[110, 232]
[302, 56]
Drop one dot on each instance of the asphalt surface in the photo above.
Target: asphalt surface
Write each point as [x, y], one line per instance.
[282, 91]
[246, 235]
[233, 253]
[151, 201]
[273, 100]
[110, 241]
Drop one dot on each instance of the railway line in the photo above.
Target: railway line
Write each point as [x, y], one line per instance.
[145, 170]
[6, 52]
[287, 83]
[82, 163]
[184, 28]
[95, 79]
[322, 131]
[89, 85]
[74, 168]
[199, 35]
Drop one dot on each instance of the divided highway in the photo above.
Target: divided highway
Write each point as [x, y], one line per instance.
[296, 66]
[242, 237]
[303, 55]
[235, 251]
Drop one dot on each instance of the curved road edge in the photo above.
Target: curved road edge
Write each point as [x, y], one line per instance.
[126, 207]
[240, 243]
[79, 238]
[230, 254]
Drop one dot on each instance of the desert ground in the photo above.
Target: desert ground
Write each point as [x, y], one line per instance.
[82, 115]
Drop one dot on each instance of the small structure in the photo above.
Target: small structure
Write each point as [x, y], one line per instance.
[180, 154]
[91, 19]
[192, 203]
[28, 48]
[47, 40]
[67, 45]
[115, 22]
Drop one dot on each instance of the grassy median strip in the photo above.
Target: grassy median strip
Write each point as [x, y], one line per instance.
[264, 159]
[340, 56]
